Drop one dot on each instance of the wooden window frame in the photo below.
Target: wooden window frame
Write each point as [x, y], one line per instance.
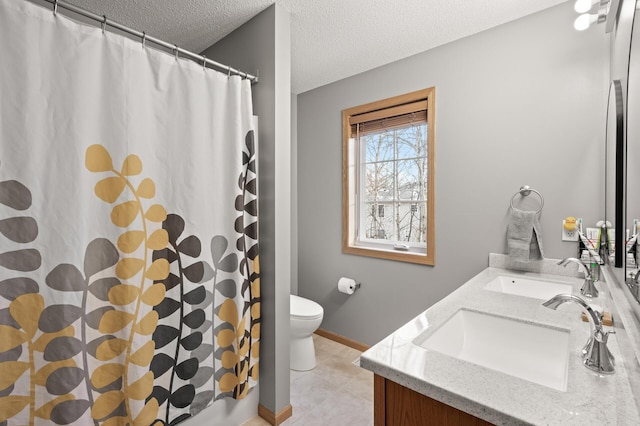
[375, 109]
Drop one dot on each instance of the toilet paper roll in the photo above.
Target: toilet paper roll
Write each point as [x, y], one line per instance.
[346, 285]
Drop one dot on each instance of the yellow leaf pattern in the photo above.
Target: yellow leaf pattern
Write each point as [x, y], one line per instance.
[142, 356]
[240, 329]
[130, 241]
[26, 310]
[244, 348]
[110, 349]
[130, 297]
[229, 359]
[147, 414]
[11, 338]
[97, 159]
[147, 325]
[128, 267]
[243, 373]
[141, 388]
[106, 404]
[255, 331]
[147, 189]
[159, 270]
[255, 349]
[109, 189]
[255, 288]
[226, 338]
[12, 405]
[114, 321]
[229, 312]
[10, 371]
[115, 360]
[244, 392]
[228, 382]
[123, 294]
[124, 214]
[131, 166]
[255, 310]
[106, 374]
[156, 213]
[154, 295]
[158, 240]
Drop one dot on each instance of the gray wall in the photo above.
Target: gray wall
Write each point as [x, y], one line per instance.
[294, 194]
[262, 45]
[519, 104]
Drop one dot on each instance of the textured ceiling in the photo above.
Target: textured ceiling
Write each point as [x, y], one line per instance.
[330, 39]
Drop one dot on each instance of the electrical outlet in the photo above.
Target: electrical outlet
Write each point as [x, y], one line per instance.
[569, 235]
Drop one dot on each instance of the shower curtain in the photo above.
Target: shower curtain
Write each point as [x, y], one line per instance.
[129, 277]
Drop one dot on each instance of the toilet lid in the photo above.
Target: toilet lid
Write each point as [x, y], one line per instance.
[302, 308]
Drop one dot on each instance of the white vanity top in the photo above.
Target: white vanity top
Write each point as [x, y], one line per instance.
[499, 398]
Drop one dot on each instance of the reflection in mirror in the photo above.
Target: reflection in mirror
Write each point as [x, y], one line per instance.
[632, 216]
[614, 168]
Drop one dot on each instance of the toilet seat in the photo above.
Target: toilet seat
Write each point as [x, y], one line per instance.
[304, 309]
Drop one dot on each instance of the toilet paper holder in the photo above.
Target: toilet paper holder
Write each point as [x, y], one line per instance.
[356, 286]
[348, 285]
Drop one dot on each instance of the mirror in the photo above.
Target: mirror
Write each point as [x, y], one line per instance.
[614, 150]
[632, 198]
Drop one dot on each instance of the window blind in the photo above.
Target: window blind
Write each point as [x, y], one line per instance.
[389, 118]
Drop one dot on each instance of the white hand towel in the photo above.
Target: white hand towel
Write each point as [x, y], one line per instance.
[524, 241]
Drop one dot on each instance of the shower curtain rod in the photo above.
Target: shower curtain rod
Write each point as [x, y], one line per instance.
[144, 37]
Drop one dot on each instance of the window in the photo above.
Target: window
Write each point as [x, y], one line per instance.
[388, 178]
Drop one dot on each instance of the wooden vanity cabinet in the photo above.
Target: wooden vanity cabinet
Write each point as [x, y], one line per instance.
[396, 405]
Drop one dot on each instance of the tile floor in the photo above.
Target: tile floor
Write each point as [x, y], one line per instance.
[335, 393]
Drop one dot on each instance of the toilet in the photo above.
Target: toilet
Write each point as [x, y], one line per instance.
[306, 316]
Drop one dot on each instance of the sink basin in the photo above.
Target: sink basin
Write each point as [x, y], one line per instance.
[529, 351]
[528, 287]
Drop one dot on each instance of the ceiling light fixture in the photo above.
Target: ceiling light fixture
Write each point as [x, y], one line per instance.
[604, 11]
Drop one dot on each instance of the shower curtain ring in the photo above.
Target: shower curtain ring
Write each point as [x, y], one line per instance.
[144, 39]
[204, 62]
[104, 23]
[55, 8]
[175, 51]
[229, 72]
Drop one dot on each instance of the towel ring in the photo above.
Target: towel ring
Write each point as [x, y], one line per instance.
[525, 191]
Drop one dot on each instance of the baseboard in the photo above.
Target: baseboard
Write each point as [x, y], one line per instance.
[341, 339]
[273, 418]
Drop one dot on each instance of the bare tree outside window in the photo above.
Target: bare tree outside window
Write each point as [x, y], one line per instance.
[395, 162]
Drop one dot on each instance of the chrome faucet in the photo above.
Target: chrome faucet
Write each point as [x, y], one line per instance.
[595, 354]
[589, 287]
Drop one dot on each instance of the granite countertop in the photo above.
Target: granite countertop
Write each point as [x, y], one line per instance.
[499, 398]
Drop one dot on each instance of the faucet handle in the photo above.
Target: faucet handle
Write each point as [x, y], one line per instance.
[605, 334]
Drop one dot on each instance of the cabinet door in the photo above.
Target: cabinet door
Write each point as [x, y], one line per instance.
[396, 405]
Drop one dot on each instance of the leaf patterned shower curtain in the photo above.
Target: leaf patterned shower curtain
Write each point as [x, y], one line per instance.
[129, 277]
